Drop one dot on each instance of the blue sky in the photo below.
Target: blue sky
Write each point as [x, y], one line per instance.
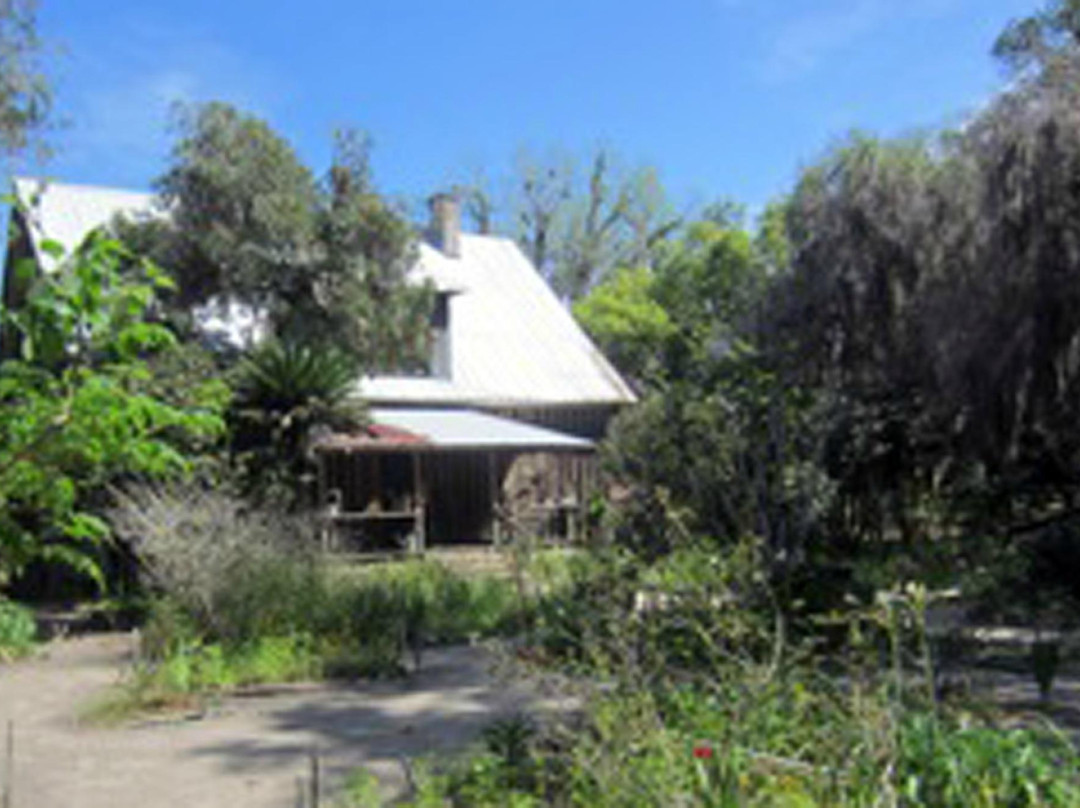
[726, 98]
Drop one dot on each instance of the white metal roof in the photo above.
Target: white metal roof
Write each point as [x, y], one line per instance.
[468, 429]
[66, 213]
[411, 390]
[512, 342]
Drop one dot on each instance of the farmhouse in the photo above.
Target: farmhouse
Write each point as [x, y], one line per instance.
[499, 435]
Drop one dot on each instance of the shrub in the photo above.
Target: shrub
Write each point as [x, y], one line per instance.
[237, 573]
[241, 601]
[17, 629]
[78, 405]
[447, 607]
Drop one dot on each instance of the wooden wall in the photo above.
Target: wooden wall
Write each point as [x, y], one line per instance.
[588, 422]
[461, 490]
[468, 496]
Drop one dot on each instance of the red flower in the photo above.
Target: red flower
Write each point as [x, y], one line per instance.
[703, 752]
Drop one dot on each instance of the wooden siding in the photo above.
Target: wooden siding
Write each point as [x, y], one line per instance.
[453, 498]
[589, 422]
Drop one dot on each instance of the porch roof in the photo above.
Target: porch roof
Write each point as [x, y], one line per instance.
[433, 430]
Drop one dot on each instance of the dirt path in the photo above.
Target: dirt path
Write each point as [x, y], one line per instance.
[248, 751]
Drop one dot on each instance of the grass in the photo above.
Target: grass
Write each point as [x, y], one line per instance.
[278, 620]
[193, 675]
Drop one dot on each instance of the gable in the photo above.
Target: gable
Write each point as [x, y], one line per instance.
[511, 341]
[67, 213]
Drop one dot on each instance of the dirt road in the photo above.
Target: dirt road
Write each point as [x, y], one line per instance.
[247, 751]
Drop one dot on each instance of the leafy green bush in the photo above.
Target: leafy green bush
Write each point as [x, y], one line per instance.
[78, 406]
[940, 764]
[269, 595]
[449, 607]
[17, 629]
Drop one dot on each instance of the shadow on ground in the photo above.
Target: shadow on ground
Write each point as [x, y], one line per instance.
[432, 714]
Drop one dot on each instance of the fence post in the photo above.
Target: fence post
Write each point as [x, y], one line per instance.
[315, 785]
[6, 798]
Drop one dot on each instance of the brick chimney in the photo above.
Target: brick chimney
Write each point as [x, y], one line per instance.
[445, 228]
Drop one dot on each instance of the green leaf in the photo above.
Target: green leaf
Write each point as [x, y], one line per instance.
[52, 248]
[74, 559]
[87, 526]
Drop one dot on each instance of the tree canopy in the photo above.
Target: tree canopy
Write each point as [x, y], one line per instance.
[881, 380]
[577, 219]
[25, 95]
[324, 261]
[1036, 40]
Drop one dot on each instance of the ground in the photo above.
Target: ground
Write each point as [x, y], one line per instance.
[246, 751]
[254, 750]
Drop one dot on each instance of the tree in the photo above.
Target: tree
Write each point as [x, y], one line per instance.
[883, 381]
[243, 208]
[576, 220]
[608, 218]
[712, 444]
[628, 324]
[1038, 40]
[932, 299]
[360, 299]
[76, 412]
[285, 392]
[851, 316]
[25, 98]
[542, 190]
[478, 204]
[324, 263]
[590, 243]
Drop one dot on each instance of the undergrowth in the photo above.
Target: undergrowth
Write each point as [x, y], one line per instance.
[244, 600]
[283, 623]
[695, 691]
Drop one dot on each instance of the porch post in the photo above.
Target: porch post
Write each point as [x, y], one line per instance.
[420, 505]
[321, 485]
[321, 505]
[496, 500]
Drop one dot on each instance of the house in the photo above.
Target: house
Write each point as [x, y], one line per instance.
[501, 432]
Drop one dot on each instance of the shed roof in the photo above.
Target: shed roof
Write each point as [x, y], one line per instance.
[512, 342]
[430, 430]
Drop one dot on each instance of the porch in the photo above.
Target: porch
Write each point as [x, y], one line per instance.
[419, 478]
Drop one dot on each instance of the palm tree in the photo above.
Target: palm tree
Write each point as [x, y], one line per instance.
[284, 393]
